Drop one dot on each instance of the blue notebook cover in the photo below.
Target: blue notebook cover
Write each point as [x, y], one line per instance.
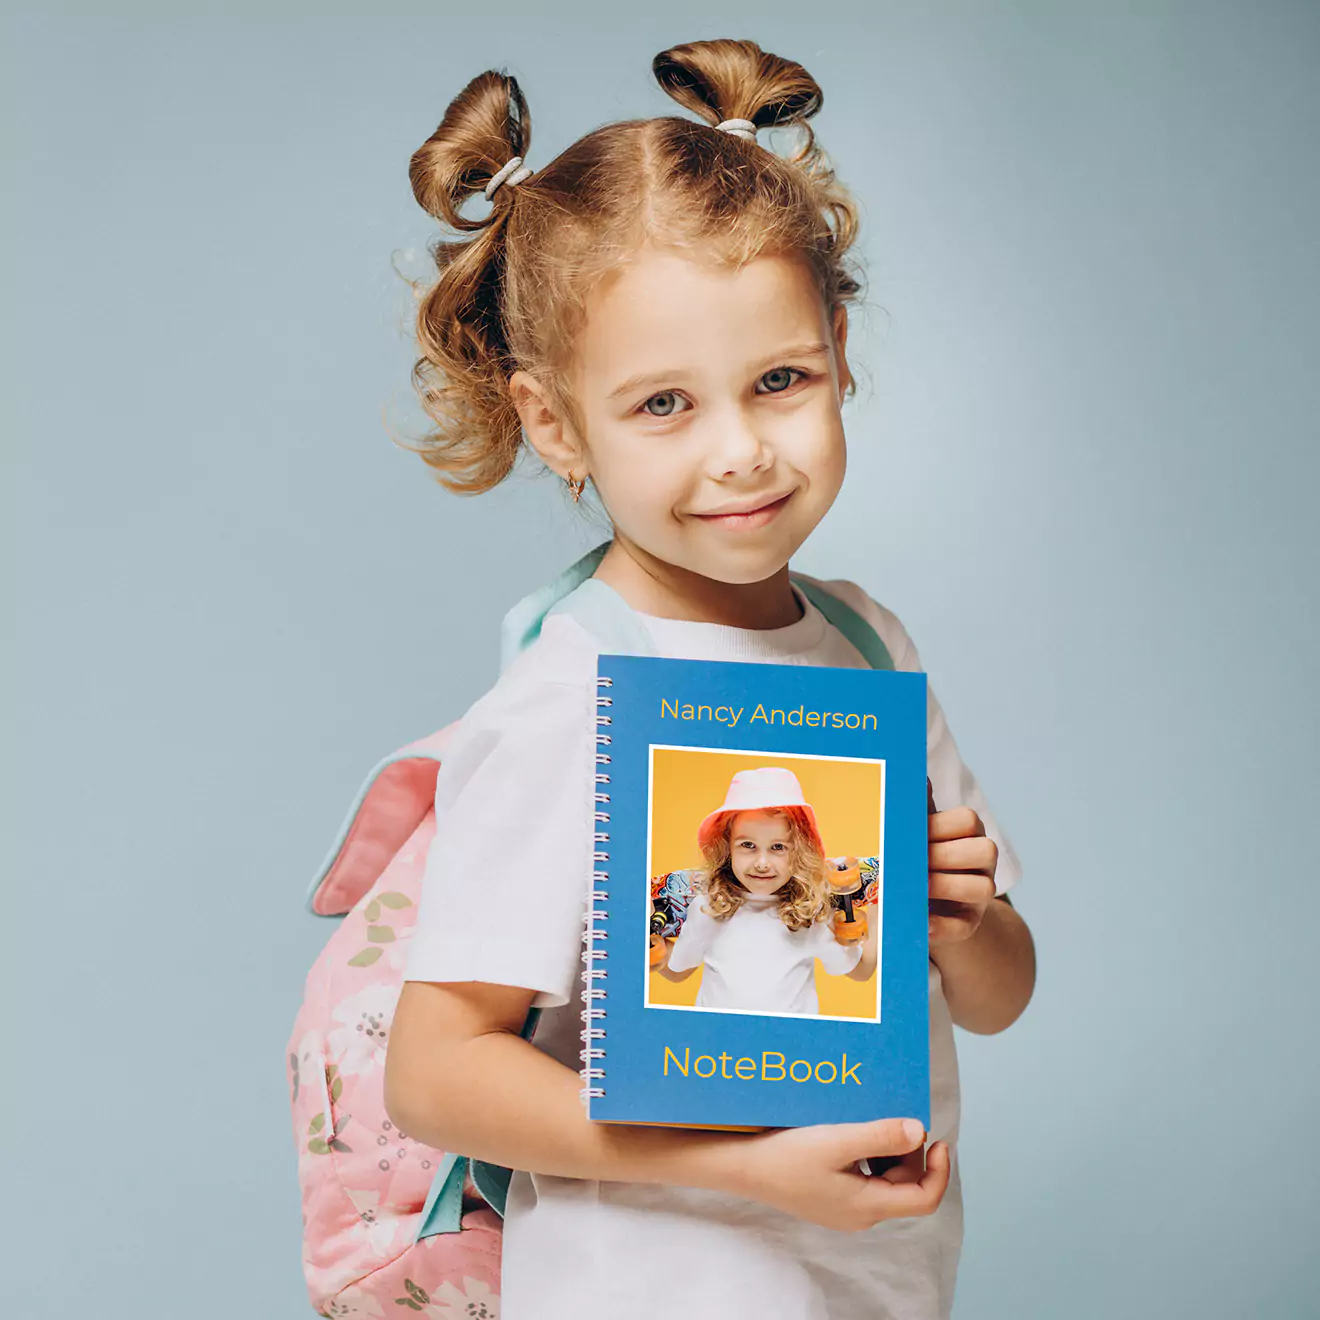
[758, 1032]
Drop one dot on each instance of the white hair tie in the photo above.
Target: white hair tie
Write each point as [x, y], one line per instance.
[743, 128]
[510, 174]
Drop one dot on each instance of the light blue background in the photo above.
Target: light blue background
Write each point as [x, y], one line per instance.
[1083, 470]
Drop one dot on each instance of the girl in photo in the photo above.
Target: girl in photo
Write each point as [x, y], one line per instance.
[761, 913]
[659, 314]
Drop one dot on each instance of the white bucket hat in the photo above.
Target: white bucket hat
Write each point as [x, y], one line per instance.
[759, 790]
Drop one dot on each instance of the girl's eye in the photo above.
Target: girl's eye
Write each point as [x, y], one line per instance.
[669, 411]
[784, 376]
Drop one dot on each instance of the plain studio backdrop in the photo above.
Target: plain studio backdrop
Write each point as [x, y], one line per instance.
[1082, 471]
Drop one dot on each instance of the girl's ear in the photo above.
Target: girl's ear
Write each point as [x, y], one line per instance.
[840, 343]
[546, 431]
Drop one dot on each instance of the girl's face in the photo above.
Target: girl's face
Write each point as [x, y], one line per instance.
[710, 399]
[760, 850]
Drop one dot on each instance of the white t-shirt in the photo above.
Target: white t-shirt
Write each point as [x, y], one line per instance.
[752, 960]
[503, 901]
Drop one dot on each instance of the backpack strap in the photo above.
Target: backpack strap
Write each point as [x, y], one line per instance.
[522, 624]
[848, 622]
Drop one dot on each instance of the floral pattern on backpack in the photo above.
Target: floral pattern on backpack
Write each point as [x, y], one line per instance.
[364, 1183]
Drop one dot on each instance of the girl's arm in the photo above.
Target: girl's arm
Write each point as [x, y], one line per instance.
[984, 950]
[688, 951]
[663, 965]
[988, 977]
[459, 1077]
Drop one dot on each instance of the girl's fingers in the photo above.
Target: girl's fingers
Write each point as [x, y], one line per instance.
[951, 929]
[952, 922]
[956, 823]
[976, 853]
[885, 1136]
[974, 887]
[906, 1169]
[892, 1200]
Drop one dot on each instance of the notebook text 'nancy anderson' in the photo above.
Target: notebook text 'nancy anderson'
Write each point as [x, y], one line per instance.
[799, 716]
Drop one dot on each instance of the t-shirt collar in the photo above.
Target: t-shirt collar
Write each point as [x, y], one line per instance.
[719, 641]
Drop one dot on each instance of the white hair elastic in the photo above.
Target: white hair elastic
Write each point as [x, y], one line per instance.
[743, 128]
[509, 174]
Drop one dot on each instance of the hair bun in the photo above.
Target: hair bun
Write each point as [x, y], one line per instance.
[726, 79]
[485, 125]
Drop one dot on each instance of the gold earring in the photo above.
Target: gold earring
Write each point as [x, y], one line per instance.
[575, 486]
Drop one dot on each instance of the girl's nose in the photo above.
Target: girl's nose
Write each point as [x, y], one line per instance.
[738, 449]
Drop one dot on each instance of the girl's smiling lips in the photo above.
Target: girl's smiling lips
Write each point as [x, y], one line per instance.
[747, 515]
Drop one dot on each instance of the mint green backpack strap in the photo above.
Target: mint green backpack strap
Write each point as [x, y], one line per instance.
[848, 622]
[522, 624]
[443, 1211]
[597, 607]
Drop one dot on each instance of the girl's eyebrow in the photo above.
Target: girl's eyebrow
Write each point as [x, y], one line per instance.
[816, 349]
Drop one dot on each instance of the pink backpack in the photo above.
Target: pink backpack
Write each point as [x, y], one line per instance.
[388, 1221]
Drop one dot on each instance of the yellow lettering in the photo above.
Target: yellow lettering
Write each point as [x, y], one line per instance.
[682, 1067]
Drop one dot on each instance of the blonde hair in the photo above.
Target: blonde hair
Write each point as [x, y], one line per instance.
[804, 898]
[511, 294]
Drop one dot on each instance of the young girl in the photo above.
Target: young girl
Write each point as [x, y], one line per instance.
[762, 914]
[661, 310]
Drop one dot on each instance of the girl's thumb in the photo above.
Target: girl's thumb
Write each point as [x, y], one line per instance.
[884, 1136]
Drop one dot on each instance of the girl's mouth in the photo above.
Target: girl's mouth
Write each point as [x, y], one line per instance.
[747, 519]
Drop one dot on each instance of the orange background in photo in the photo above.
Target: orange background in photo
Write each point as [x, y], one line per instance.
[688, 783]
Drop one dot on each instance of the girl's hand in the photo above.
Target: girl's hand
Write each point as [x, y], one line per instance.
[962, 863]
[812, 1172]
[658, 953]
[849, 932]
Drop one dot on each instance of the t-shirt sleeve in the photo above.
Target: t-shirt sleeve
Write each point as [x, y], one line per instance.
[694, 939]
[837, 959]
[952, 781]
[503, 895]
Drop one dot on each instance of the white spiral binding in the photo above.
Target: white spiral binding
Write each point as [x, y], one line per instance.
[594, 935]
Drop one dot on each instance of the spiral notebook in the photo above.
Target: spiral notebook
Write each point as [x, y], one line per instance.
[756, 934]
